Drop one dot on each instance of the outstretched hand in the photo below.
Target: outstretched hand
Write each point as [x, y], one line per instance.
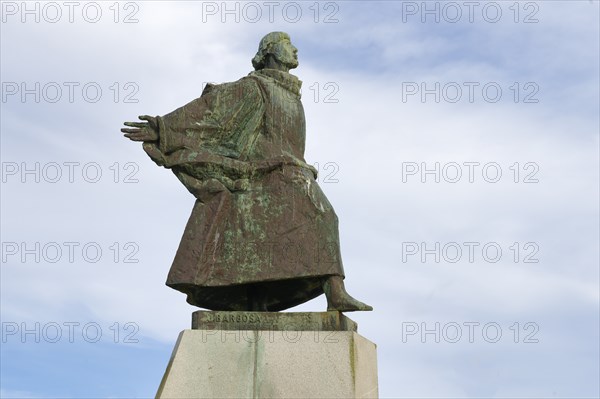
[142, 131]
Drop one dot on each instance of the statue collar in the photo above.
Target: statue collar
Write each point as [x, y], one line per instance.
[284, 79]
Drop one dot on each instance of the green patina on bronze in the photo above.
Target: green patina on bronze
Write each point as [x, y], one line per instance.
[262, 235]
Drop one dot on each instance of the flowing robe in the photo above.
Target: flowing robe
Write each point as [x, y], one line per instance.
[260, 221]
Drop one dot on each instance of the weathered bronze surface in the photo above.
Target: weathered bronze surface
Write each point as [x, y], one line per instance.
[272, 321]
[262, 235]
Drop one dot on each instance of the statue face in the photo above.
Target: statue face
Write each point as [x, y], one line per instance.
[285, 52]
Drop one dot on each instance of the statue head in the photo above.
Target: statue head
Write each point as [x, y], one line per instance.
[276, 50]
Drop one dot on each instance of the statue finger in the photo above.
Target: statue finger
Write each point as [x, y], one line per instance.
[136, 124]
[151, 120]
[134, 137]
[126, 130]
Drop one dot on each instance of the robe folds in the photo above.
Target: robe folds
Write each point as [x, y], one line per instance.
[260, 221]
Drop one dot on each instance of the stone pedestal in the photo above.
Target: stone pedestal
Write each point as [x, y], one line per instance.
[276, 358]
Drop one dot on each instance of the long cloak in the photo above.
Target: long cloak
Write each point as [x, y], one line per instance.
[260, 221]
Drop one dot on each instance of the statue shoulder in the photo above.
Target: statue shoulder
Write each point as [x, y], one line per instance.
[248, 82]
[208, 89]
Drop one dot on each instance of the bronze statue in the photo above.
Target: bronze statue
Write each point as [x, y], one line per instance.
[262, 235]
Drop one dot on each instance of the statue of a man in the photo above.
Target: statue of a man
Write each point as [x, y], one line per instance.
[262, 235]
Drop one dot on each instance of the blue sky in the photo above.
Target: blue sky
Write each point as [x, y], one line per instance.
[367, 132]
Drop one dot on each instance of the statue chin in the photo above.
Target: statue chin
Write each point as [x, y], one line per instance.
[289, 63]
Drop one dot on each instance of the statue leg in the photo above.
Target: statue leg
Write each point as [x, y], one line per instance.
[257, 298]
[337, 297]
